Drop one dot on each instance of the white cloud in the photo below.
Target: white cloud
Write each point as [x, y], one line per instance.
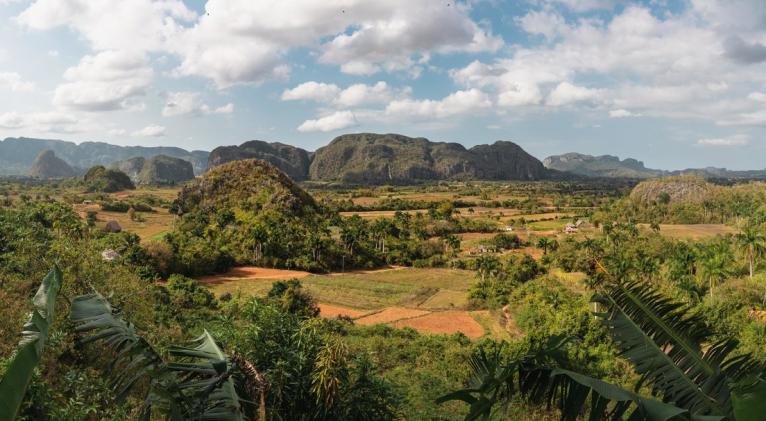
[736, 140]
[109, 80]
[458, 103]
[565, 93]
[358, 94]
[335, 121]
[651, 64]
[622, 113]
[190, 103]
[14, 82]
[354, 95]
[51, 121]
[53, 53]
[544, 22]
[313, 91]
[117, 132]
[244, 41]
[150, 131]
[137, 25]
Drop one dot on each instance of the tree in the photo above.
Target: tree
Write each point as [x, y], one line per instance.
[753, 244]
[715, 264]
[544, 243]
[664, 342]
[452, 241]
[487, 266]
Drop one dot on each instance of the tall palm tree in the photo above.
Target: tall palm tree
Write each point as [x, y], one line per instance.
[715, 266]
[544, 243]
[753, 244]
[487, 266]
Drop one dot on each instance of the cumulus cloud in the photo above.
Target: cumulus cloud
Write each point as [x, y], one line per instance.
[354, 95]
[335, 121]
[109, 80]
[150, 131]
[138, 25]
[737, 140]
[738, 50]
[566, 93]
[243, 41]
[622, 113]
[458, 103]
[359, 94]
[14, 82]
[190, 103]
[50, 121]
[634, 60]
[313, 91]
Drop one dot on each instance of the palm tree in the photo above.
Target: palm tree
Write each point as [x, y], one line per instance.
[487, 266]
[544, 243]
[691, 377]
[753, 243]
[452, 241]
[715, 266]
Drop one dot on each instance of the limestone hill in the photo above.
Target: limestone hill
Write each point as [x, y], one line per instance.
[100, 179]
[251, 184]
[48, 165]
[289, 159]
[165, 170]
[673, 190]
[392, 158]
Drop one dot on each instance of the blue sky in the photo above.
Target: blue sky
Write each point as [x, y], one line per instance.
[676, 84]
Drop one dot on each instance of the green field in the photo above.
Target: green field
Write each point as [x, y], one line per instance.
[425, 288]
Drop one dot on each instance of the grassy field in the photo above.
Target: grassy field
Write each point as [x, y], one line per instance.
[426, 288]
[693, 231]
[427, 300]
[151, 226]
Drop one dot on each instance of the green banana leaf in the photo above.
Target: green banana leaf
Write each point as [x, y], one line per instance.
[14, 385]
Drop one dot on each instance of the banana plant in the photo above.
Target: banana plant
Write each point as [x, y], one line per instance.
[14, 384]
[690, 377]
[197, 384]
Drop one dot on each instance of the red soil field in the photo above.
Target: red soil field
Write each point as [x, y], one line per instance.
[447, 322]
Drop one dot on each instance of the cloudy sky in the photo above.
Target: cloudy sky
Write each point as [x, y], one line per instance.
[674, 83]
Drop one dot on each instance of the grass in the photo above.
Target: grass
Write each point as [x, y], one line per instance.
[426, 288]
[693, 231]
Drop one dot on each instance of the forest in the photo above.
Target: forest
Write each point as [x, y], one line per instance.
[479, 300]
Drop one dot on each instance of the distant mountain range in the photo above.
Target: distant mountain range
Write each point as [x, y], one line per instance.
[600, 166]
[361, 158]
[18, 154]
[608, 166]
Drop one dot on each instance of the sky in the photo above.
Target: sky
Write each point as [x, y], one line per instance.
[676, 84]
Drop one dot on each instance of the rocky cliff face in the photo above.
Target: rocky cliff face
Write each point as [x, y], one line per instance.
[289, 159]
[392, 158]
[600, 166]
[131, 166]
[47, 165]
[165, 170]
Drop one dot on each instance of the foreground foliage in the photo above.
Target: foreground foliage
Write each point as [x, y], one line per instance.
[669, 348]
[19, 373]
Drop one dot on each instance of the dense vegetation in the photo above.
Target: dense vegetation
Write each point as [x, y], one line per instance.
[615, 321]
